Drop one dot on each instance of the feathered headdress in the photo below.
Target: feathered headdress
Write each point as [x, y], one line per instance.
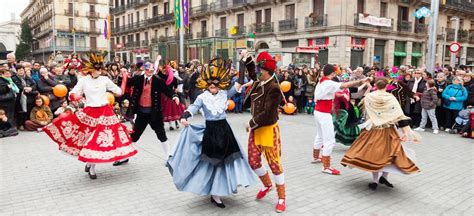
[173, 64]
[217, 73]
[92, 62]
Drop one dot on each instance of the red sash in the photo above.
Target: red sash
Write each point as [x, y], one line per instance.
[324, 106]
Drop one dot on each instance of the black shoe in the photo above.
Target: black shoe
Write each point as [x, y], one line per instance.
[118, 163]
[87, 168]
[171, 128]
[220, 205]
[92, 176]
[384, 181]
[373, 186]
[177, 125]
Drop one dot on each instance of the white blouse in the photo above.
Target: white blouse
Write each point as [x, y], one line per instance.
[95, 90]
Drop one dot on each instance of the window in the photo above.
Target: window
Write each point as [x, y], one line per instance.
[146, 36]
[137, 37]
[223, 23]
[203, 26]
[117, 23]
[290, 12]
[123, 20]
[240, 19]
[71, 23]
[360, 6]
[155, 11]
[92, 25]
[70, 8]
[71, 41]
[166, 7]
[403, 13]
[156, 34]
[258, 15]
[318, 7]
[128, 18]
[93, 43]
[117, 40]
[131, 18]
[138, 16]
[383, 9]
[92, 8]
[116, 3]
[472, 24]
[289, 44]
[268, 15]
[145, 14]
[166, 32]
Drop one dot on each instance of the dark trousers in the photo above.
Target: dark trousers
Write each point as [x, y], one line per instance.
[143, 120]
[300, 102]
[415, 117]
[450, 117]
[441, 116]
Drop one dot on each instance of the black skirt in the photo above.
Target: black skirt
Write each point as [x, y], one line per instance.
[219, 145]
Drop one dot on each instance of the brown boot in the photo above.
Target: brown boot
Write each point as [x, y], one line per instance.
[281, 205]
[327, 166]
[316, 157]
[267, 182]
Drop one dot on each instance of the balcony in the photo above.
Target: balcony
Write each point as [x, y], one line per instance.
[93, 14]
[316, 21]
[460, 5]
[145, 43]
[463, 35]
[154, 40]
[160, 19]
[68, 12]
[203, 34]
[199, 10]
[138, 3]
[132, 44]
[261, 28]
[404, 26]
[41, 19]
[258, 2]
[93, 1]
[287, 25]
[221, 33]
[449, 34]
[471, 36]
[241, 30]
[118, 10]
[421, 28]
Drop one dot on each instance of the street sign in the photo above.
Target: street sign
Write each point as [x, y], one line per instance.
[422, 12]
[454, 47]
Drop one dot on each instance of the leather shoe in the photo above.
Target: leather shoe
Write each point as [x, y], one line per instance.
[384, 181]
[92, 176]
[87, 169]
[220, 205]
[118, 163]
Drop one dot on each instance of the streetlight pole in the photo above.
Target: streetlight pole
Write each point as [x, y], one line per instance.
[453, 55]
[444, 48]
[431, 60]
[73, 27]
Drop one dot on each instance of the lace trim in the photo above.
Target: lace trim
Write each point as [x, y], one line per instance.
[107, 155]
[216, 104]
[93, 122]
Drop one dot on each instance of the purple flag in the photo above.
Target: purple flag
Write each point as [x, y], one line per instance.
[105, 29]
[185, 13]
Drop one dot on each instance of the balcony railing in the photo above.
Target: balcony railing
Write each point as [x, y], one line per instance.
[222, 5]
[463, 35]
[203, 34]
[449, 34]
[462, 5]
[404, 26]
[287, 25]
[266, 27]
[241, 30]
[138, 3]
[93, 30]
[199, 10]
[154, 40]
[68, 12]
[119, 9]
[221, 33]
[421, 28]
[471, 36]
[93, 14]
[160, 19]
[93, 1]
[316, 21]
[145, 43]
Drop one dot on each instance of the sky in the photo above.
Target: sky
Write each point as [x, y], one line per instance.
[13, 6]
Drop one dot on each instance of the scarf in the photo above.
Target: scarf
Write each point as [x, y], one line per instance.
[382, 108]
[14, 87]
[415, 85]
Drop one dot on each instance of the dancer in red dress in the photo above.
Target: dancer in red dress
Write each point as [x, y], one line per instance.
[171, 110]
[94, 134]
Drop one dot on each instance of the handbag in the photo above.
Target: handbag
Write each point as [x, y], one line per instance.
[10, 95]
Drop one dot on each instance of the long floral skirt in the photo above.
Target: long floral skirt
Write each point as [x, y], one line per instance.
[171, 110]
[94, 134]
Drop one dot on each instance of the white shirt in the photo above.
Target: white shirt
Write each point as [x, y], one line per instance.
[326, 90]
[95, 90]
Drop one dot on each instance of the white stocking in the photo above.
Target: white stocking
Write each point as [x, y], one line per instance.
[375, 177]
[166, 148]
[217, 199]
[92, 169]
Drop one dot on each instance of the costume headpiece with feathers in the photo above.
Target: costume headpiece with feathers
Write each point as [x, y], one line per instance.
[217, 73]
[92, 62]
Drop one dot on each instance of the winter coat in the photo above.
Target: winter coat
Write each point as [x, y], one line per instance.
[9, 105]
[429, 99]
[470, 93]
[457, 91]
[310, 87]
[419, 91]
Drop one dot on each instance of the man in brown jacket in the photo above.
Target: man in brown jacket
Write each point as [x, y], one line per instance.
[264, 99]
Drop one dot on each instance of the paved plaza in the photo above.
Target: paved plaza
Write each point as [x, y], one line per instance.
[37, 179]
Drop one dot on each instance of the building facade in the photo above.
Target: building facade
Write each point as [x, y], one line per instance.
[350, 33]
[66, 26]
[9, 33]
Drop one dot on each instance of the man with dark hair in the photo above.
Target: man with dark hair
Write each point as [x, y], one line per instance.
[324, 95]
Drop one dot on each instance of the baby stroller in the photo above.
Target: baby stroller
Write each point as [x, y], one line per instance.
[462, 120]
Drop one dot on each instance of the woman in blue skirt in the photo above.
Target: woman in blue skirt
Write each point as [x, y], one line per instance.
[207, 160]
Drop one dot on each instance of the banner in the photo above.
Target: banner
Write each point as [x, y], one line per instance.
[177, 14]
[106, 33]
[185, 13]
[375, 21]
[109, 28]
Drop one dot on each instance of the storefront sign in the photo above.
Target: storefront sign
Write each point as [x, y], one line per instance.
[144, 50]
[119, 45]
[307, 50]
[319, 43]
[375, 21]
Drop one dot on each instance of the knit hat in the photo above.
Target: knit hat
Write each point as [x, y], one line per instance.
[266, 61]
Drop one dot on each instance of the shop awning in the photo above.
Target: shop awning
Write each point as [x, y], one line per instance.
[398, 53]
[416, 54]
